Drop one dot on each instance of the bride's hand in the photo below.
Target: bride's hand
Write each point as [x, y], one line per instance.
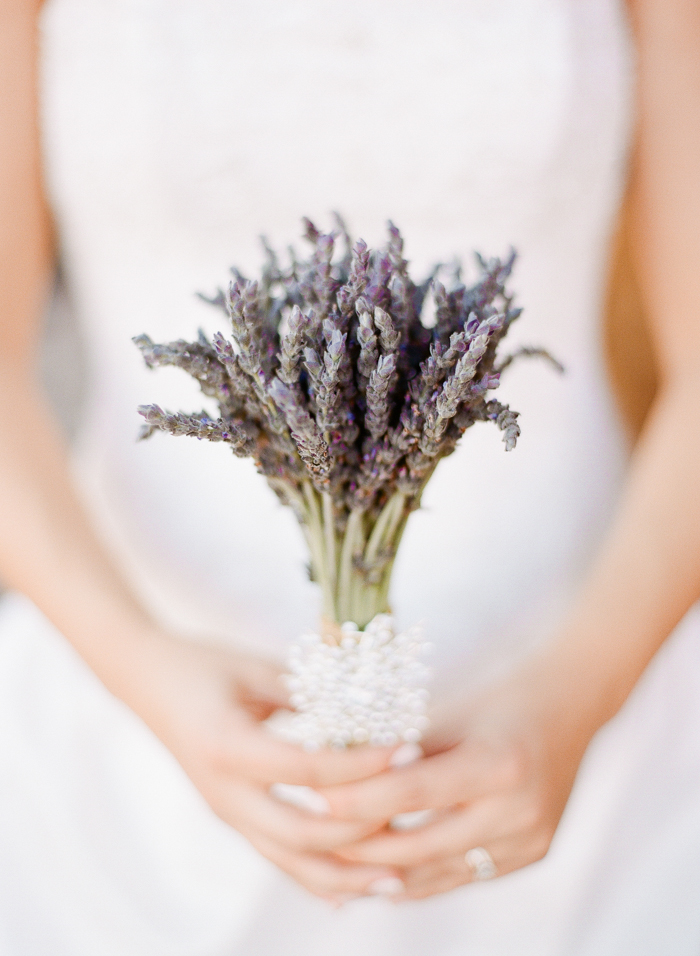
[206, 704]
[498, 778]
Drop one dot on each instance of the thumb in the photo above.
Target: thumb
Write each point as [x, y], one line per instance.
[249, 749]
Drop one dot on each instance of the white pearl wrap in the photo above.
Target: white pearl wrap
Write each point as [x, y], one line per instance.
[368, 689]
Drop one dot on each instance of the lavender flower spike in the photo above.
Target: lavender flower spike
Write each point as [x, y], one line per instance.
[196, 426]
[367, 360]
[306, 434]
[378, 406]
[292, 347]
[390, 338]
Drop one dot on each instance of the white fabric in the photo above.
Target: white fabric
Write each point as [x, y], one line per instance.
[174, 133]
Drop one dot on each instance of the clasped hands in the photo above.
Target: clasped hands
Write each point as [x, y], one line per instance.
[487, 788]
[497, 776]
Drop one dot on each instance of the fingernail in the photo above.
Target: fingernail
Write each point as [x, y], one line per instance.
[412, 820]
[386, 886]
[303, 798]
[406, 754]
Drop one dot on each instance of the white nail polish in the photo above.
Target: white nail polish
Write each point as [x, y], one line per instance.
[412, 820]
[405, 755]
[303, 798]
[386, 886]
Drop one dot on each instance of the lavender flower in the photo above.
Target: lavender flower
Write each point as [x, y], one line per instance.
[312, 448]
[198, 426]
[344, 399]
[367, 339]
[378, 389]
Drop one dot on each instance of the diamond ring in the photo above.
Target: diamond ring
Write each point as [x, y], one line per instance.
[480, 862]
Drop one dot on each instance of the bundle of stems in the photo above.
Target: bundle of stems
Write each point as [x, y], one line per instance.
[345, 398]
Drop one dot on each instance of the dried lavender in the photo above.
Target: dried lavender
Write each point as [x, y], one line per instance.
[345, 400]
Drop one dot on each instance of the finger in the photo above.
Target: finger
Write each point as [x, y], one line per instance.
[494, 818]
[456, 831]
[438, 876]
[447, 873]
[289, 827]
[434, 878]
[457, 776]
[321, 875]
[248, 749]
[261, 678]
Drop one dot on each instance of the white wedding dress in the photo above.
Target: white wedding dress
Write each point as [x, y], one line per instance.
[176, 131]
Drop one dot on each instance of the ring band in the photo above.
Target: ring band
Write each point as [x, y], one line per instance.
[480, 862]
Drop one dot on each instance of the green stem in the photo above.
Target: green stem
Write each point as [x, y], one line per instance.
[318, 551]
[329, 535]
[382, 539]
[347, 594]
[383, 598]
[358, 591]
[384, 521]
[353, 538]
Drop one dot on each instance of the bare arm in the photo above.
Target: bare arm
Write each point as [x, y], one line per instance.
[520, 743]
[47, 547]
[648, 573]
[205, 704]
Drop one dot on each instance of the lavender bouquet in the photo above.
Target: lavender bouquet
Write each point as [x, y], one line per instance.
[346, 400]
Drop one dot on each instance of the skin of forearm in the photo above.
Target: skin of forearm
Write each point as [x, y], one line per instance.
[25, 233]
[647, 574]
[47, 547]
[666, 179]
